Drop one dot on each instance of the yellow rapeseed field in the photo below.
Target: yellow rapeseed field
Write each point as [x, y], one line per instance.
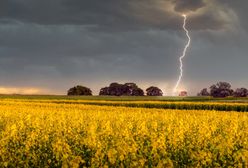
[43, 134]
[192, 105]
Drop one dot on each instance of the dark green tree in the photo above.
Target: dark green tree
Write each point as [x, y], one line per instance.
[79, 91]
[127, 89]
[204, 92]
[221, 89]
[154, 91]
[240, 92]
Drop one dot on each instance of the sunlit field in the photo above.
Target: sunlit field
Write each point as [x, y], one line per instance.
[55, 133]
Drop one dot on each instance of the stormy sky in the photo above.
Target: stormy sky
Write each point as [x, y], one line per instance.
[49, 46]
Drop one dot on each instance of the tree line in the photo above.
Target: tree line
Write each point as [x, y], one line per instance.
[221, 89]
[116, 89]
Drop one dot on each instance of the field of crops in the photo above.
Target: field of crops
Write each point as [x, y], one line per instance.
[97, 133]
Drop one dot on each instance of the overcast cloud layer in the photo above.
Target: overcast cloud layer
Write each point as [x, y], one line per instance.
[49, 46]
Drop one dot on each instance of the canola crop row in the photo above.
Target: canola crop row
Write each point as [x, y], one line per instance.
[239, 107]
[43, 134]
[181, 105]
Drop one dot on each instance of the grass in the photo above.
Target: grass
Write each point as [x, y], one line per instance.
[186, 103]
[124, 98]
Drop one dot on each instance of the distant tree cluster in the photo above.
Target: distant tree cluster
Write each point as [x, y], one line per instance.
[116, 89]
[127, 89]
[241, 92]
[223, 89]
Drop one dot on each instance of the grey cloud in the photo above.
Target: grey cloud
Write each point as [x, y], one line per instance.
[108, 15]
[188, 5]
[240, 8]
[39, 55]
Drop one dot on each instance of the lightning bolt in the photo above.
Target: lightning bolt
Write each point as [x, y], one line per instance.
[183, 55]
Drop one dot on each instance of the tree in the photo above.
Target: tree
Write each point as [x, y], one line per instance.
[137, 92]
[115, 89]
[127, 89]
[154, 91]
[221, 89]
[204, 92]
[131, 89]
[79, 91]
[104, 91]
[240, 92]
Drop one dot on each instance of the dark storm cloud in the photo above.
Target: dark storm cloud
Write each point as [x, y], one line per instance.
[59, 43]
[188, 5]
[72, 12]
[38, 54]
[108, 15]
[240, 8]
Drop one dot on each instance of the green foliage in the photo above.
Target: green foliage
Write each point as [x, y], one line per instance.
[79, 90]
